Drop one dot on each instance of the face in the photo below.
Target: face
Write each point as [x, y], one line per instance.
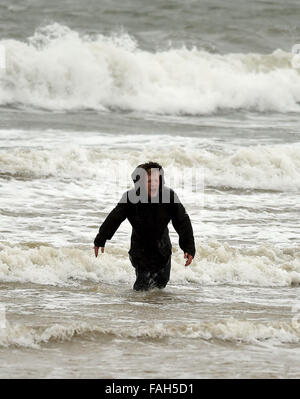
[152, 183]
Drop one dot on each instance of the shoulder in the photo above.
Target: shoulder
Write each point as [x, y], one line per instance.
[169, 196]
[128, 197]
[169, 192]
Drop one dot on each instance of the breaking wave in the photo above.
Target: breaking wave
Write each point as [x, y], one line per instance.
[230, 330]
[270, 167]
[215, 263]
[59, 69]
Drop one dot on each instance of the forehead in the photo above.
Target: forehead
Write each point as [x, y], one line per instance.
[153, 173]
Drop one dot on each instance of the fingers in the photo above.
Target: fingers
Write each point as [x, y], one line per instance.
[96, 250]
[189, 259]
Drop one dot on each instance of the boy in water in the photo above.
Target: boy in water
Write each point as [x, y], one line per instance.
[149, 207]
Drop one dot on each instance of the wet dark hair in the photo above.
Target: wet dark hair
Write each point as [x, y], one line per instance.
[147, 167]
[150, 165]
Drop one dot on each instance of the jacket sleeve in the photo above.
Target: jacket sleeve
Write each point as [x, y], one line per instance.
[182, 224]
[112, 222]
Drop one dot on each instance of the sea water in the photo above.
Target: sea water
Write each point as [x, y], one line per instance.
[88, 92]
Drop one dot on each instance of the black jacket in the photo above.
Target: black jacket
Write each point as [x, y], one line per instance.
[149, 223]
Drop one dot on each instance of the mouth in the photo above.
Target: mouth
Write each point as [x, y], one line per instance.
[153, 191]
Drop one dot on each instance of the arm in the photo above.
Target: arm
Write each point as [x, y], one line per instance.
[182, 224]
[111, 224]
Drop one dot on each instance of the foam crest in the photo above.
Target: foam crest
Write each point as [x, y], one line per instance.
[59, 69]
[230, 330]
[60, 266]
[215, 263]
[271, 167]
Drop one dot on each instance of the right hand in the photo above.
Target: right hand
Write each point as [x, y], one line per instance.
[188, 258]
[96, 249]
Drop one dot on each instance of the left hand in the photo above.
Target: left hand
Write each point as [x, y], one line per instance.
[96, 250]
[189, 259]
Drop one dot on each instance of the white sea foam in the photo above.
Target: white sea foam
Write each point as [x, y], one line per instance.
[61, 266]
[274, 167]
[215, 263]
[59, 69]
[230, 330]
